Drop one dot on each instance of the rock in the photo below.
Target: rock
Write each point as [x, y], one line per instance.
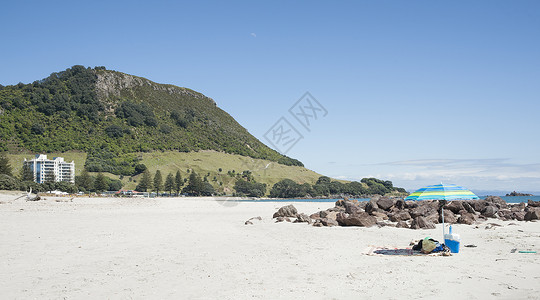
[531, 203]
[519, 215]
[361, 219]
[518, 207]
[302, 218]
[379, 216]
[340, 202]
[385, 203]
[281, 219]
[455, 206]
[316, 215]
[421, 223]
[449, 217]
[402, 224]
[251, 220]
[318, 223]
[371, 205]
[433, 217]
[400, 216]
[422, 211]
[352, 207]
[329, 222]
[468, 207]
[332, 215]
[411, 204]
[286, 211]
[467, 218]
[400, 204]
[478, 205]
[532, 215]
[506, 214]
[497, 201]
[489, 211]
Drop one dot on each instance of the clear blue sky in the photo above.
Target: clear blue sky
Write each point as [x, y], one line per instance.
[417, 92]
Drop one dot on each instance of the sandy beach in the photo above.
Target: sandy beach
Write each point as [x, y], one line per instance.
[200, 248]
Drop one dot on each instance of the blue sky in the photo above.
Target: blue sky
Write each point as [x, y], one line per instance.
[417, 92]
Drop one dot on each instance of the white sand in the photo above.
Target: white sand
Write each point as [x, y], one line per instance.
[200, 249]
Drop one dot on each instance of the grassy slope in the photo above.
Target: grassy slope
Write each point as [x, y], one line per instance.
[202, 162]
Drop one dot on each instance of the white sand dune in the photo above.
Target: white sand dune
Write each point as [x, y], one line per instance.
[200, 249]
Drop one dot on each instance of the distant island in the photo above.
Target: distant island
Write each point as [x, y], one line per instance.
[514, 193]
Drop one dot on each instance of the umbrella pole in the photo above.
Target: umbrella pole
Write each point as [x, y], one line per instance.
[442, 215]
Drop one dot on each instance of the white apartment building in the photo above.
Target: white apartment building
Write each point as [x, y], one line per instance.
[46, 169]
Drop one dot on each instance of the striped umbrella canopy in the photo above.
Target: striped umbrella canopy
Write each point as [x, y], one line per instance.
[442, 192]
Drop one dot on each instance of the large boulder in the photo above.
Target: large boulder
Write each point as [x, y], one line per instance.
[379, 216]
[467, 218]
[505, 214]
[411, 204]
[467, 207]
[497, 201]
[385, 203]
[422, 223]
[302, 218]
[449, 217]
[531, 203]
[532, 214]
[400, 216]
[360, 219]
[371, 205]
[518, 207]
[400, 204]
[422, 211]
[286, 211]
[455, 206]
[518, 215]
[352, 207]
[478, 205]
[489, 211]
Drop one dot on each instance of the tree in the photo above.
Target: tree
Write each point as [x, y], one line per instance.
[158, 181]
[323, 180]
[26, 173]
[169, 183]
[84, 180]
[101, 184]
[208, 189]
[287, 188]
[178, 182]
[146, 182]
[5, 167]
[195, 185]
[250, 188]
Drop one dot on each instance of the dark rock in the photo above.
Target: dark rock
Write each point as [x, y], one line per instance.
[489, 211]
[531, 203]
[402, 224]
[411, 204]
[379, 216]
[316, 215]
[340, 202]
[302, 218]
[361, 219]
[478, 205]
[433, 217]
[533, 214]
[449, 217]
[400, 204]
[518, 207]
[352, 207]
[467, 218]
[497, 201]
[251, 220]
[421, 223]
[371, 205]
[421, 211]
[286, 211]
[385, 203]
[318, 223]
[400, 216]
[468, 207]
[505, 214]
[329, 222]
[519, 215]
[455, 206]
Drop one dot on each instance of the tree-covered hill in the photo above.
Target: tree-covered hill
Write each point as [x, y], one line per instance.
[112, 116]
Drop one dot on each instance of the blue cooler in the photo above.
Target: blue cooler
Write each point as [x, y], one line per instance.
[452, 240]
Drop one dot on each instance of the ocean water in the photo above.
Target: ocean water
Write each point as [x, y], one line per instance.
[515, 199]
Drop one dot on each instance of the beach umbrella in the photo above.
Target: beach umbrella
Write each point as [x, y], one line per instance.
[445, 192]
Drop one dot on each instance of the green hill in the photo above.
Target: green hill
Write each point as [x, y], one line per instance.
[113, 116]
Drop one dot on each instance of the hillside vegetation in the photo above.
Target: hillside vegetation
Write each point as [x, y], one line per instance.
[112, 115]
